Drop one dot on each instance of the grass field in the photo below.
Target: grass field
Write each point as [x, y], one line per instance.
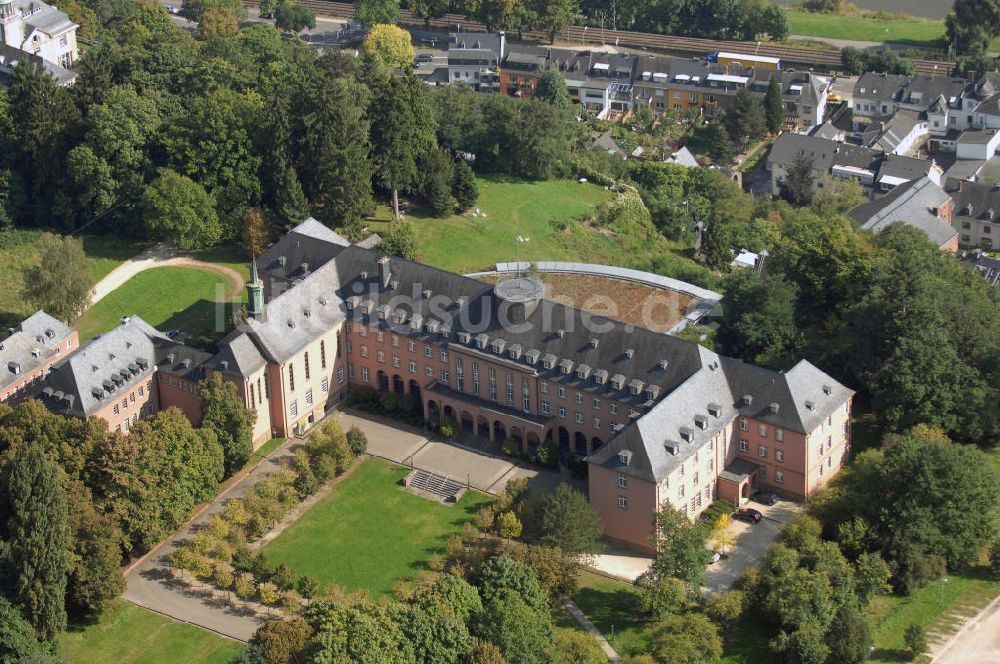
[20, 252]
[369, 532]
[940, 606]
[128, 634]
[912, 32]
[512, 208]
[165, 297]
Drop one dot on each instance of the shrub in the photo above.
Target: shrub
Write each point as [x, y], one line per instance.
[995, 560]
[548, 455]
[509, 447]
[915, 638]
[448, 427]
[357, 440]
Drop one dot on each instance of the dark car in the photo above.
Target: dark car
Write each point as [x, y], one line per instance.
[766, 497]
[749, 515]
[424, 57]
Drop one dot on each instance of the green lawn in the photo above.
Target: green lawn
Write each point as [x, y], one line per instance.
[917, 32]
[128, 634]
[165, 297]
[369, 532]
[18, 251]
[941, 605]
[512, 208]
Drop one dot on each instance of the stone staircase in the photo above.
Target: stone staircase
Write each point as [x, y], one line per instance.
[438, 486]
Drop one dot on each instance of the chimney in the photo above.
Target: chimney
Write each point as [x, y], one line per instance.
[384, 273]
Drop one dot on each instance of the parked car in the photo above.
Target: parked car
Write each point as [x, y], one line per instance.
[171, 9]
[766, 497]
[715, 557]
[424, 57]
[749, 515]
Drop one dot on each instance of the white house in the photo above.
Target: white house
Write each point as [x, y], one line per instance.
[978, 144]
[39, 29]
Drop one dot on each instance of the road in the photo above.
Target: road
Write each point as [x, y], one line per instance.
[978, 642]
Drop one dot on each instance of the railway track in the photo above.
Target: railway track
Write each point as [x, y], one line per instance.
[797, 56]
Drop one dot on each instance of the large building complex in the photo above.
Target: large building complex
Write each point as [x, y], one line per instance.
[658, 418]
[29, 351]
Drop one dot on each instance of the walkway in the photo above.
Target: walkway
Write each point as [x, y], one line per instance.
[150, 583]
[977, 642]
[161, 255]
[584, 621]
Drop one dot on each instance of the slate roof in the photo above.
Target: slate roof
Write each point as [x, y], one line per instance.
[977, 136]
[908, 168]
[880, 87]
[914, 204]
[897, 128]
[923, 90]
[43, 17]
[684, 158]
[977, 200]
[105, 367]
[988, 267]
[32, 343]
[10, 56]
[825, 153]
[306, 247]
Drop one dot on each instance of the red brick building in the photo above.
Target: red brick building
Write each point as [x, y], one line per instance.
[28, 353]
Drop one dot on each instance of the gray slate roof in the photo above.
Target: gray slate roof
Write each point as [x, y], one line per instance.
[915, 204]
[900, 166]
[898, 128]
[34, 341]
[306, 247]
[103, 368]
[880, 87]
[977, 200]
[10, 56]
[43, 17]
[825, 154]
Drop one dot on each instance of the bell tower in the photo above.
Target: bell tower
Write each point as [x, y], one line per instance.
[255, 293]
[11, 24]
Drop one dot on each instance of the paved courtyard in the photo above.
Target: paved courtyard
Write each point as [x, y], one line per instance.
[752, 542]
[411, 446]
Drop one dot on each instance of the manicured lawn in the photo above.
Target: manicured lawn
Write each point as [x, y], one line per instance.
[131, 635]
[18, 250]
[941, 606]
[612, 607]
[513, 208]
[165, 297]
[369, 532]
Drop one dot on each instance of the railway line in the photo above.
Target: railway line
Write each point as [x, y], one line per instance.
[795, 56]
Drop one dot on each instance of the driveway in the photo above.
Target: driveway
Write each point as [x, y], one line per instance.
[151, 584]
[752, 542]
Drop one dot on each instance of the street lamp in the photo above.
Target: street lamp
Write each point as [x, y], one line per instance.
[944, 580]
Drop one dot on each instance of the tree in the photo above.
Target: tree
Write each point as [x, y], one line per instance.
[759, 319]
[60, 284]
[464, 187]
[282, 641]
[294, 17]
[774, 106]
[438, 175]
[716, 244]
[268, 593]
[797, 185]
[38, 536]
[375, 12]
[663, 596]
[401, 240]
[915, 638]
[554, 16]
[722, 536]
[307, 586]
[853, 61]
[552, 88]
[995, 560]
[972, 24]
[871, 576]
[495, 14]
[245, 587]
[436, 634]
[18, 641]
[390, 46]
[223, 577]
[681, 548]
[94, 575]
[220, 23]
[426, 10]
[179, 209]
[746, 120]
[717, 139]
[508, 525]
[256, 234]
[357, 440]
[726, 608]
[521, 629]
[563, 519]
[690, 638]
[484, 652]
[223, 411]
[850, 636]
[404, 135]
[573, 647]
[836, 195]
[291, 204]
[555, 570]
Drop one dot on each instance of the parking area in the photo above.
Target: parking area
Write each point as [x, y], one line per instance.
[752, 542]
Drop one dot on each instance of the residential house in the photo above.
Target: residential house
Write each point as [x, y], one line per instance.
[39, 29]
[876, 96]
[920, 203]
[474, 58]
[828, 157]
[978, 144]
[977, 206]
[28, 353]
[10, 57]
[902, 133]
[895, 170]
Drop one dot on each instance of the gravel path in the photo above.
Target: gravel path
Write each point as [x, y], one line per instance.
[159, 256]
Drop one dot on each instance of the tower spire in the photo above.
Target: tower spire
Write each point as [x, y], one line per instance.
[255, 293]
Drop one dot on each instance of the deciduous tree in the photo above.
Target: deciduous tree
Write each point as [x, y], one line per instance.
[224, 413]
[375, 12]
[179, 209]
[60, 283]
[390, 46]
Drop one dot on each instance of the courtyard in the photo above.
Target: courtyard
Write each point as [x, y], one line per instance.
[369, 532]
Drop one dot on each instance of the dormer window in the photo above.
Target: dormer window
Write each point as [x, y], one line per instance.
[827, 390]
[714, 409]
[498, 346]
[701, 422]
[482, 340]
[565, 367]
[624, 457]
[531, 356]
[515, 352]
[560, 333]
[810, 405]
[464, 337]
[353, 301]
[600, 376]
[416, 321]
[687, 434]
[583, 372]
[747, 399]
[635, 386]
[432, 326]
[549, 361]
[399, 316]
[383, 311]
[629, 353]
[366, 307]
[617, 381]
[652, 391]
[662, 364]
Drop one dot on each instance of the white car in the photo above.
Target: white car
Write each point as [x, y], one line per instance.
[715, 557]
[171, 9]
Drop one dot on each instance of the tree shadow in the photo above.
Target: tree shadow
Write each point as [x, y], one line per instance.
[891, 655]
